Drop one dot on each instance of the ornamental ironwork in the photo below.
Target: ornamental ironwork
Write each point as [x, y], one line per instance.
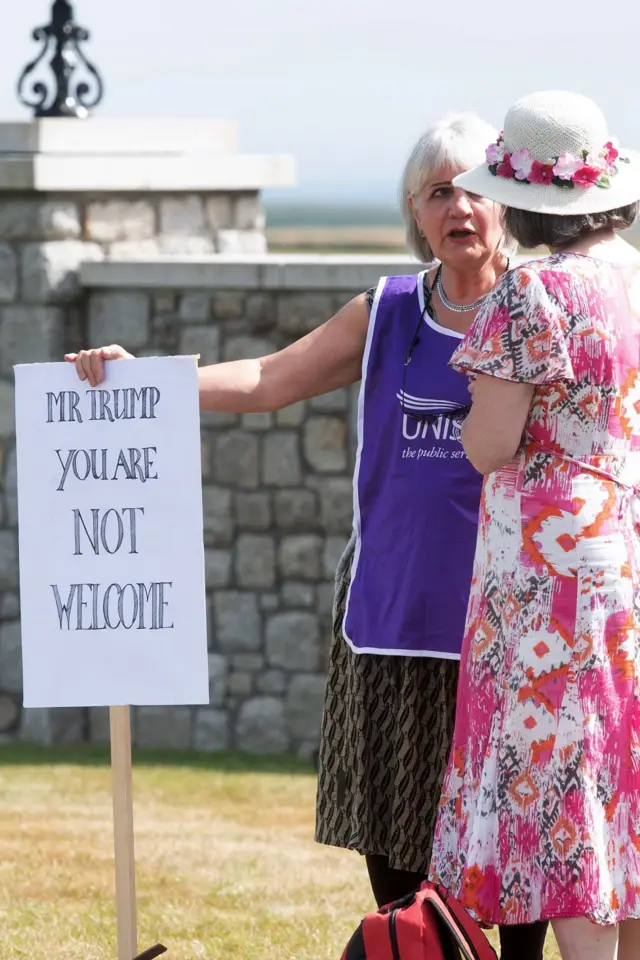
[64, 93]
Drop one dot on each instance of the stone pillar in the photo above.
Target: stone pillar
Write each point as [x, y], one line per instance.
[72, 192]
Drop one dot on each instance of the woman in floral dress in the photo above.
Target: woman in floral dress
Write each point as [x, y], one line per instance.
[540, 813]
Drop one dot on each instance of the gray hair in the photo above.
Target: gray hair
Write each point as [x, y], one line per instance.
[458, 140]
[555, 230]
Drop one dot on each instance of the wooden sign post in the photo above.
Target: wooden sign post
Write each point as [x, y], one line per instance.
[112, 559]
[124, 848]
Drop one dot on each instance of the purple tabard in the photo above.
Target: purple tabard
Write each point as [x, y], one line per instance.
[416, 495]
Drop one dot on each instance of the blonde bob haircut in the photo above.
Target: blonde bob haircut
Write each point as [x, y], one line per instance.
[458, 141]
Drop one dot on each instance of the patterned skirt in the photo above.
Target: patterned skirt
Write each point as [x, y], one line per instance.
[386, 734]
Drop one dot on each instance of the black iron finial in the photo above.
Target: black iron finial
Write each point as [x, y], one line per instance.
[69, 97]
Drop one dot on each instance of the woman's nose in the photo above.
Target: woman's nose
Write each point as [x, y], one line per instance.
[461, 206]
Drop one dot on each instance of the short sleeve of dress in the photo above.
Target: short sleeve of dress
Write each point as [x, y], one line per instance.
[520, 334]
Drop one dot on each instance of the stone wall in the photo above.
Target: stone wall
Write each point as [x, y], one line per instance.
[276, 486]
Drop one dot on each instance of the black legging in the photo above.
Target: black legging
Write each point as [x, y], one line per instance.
[522, 942]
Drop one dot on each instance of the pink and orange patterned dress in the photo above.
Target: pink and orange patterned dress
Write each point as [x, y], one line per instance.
[540, 813]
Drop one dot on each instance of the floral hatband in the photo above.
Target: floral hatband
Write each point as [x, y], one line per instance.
[587, 170]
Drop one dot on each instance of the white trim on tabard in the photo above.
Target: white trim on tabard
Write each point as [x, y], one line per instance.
[428, 319]
[438, 654]
[356, 473]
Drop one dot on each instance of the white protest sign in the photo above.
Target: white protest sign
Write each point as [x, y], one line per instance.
[110, 530]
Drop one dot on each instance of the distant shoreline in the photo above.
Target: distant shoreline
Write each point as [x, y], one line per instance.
[331, 214]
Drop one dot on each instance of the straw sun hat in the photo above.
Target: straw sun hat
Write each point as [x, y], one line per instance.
[556, 156]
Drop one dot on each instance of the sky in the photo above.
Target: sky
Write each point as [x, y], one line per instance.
[346, 86]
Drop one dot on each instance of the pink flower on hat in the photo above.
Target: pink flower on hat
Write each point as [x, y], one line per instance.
[611, 154]
[586, 176]
[597, 161]
[541, 172]
[566, 165]
[505, 169]
[495, 153]
[522, 162]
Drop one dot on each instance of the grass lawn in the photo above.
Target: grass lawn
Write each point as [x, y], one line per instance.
[226, 863]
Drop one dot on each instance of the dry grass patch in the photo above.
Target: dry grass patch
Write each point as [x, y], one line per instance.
[336, 239]
[226, 863]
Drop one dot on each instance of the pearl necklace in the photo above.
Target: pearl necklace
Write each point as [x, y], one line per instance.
[456, 307]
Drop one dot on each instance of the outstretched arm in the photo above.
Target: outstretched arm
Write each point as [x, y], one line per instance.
[325, 359]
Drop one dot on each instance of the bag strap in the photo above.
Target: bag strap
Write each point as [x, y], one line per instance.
[471, 928]
[468, 934]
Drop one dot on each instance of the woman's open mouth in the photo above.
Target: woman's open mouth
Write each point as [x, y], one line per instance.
[461, 235]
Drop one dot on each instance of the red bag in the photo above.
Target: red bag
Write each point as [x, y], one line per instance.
[427, 925]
